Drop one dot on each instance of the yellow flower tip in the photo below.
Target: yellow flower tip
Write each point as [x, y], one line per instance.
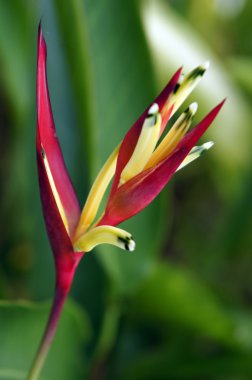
[207, 145]
[186, 85]
[153, 110]
[199, 150]
[184, 121]
[192, 109]
[206, 65]
[145, 145]
[127, 243]
[195, 153]
[198, 72]
[105, 235]
[151, 118]
[176, 88]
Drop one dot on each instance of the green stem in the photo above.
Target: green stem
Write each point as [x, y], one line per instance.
[39, 360]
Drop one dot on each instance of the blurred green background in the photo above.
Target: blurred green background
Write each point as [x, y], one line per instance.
[180, 307]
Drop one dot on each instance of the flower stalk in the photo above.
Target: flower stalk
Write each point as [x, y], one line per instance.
[39, 360]
[62, 289]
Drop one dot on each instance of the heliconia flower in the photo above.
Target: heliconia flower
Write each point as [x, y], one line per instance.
[140, 164]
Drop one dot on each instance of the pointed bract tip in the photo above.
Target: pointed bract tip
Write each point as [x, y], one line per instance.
[42, 50]
[179, 71]
[40, 33]
[219, 106]
[41, 41]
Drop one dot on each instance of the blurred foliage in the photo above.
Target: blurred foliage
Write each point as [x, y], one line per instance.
[21, 326]
[180, 307]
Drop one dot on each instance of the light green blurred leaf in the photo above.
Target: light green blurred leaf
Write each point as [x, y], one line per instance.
[16, 26]
[22, 325]
[241, 68]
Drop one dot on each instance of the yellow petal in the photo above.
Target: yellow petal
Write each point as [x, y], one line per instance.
[145, 145]
[96, 193]
[105, 235]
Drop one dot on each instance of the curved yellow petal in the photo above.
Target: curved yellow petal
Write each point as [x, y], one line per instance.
[105, 235]
[96, 193]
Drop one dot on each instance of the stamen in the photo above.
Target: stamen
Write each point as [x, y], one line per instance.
[145, 145]
[54, 191]
[173, 137]
[96, 193]
[196, 152]
[105, 235]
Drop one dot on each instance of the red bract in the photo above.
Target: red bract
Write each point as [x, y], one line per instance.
[51, 167]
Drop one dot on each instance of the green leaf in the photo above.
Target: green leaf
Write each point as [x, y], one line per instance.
[176, 295]
[76, 47]
[161, 365]
[16, 20]
[22, 325]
